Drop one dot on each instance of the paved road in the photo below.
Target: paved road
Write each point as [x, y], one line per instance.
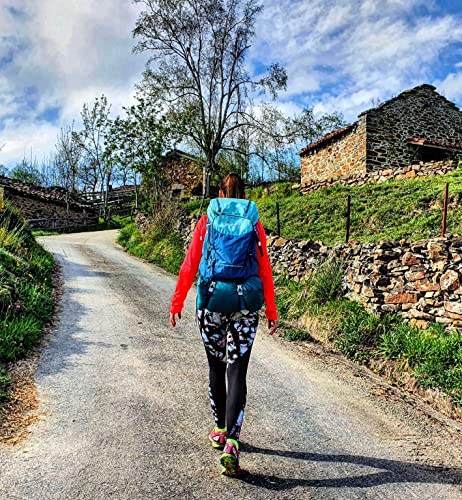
[125, 413]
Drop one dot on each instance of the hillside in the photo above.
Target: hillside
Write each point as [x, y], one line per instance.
[396, 209]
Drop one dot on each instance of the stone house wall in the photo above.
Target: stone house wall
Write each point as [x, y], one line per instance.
[343, 157]
[185, 176]
[419, 112]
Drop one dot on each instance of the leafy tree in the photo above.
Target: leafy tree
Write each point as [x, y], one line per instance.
[3, 170]
[197, 67]
[136, 144]
[27, 171]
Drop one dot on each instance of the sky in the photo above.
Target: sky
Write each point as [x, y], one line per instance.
[340, 55]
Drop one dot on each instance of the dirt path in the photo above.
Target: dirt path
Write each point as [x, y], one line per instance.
[125, 414]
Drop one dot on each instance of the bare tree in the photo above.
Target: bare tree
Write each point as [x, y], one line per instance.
[197, 67]
[69, 150]
[96, 170]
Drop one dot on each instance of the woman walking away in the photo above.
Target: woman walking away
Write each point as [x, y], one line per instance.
[235, 278]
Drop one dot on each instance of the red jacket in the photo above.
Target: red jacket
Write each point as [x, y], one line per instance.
[192, 260]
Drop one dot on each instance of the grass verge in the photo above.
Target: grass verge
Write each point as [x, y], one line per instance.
[26, 302]
[158, 245]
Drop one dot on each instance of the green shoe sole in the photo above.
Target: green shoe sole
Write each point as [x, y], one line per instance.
[230, 464]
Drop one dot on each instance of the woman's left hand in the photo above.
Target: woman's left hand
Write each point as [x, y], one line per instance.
[272, 326]
[173, 319]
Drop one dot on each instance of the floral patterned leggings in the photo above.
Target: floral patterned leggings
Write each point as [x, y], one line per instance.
[228, 340]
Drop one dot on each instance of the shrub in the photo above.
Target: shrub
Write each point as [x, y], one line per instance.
[326, 281]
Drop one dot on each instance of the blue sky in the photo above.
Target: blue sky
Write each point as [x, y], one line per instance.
[340, 55]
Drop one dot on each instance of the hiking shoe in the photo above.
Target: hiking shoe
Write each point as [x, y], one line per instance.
[218, 437]
[230, 458]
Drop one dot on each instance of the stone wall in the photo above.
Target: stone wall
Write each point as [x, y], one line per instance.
[420, 280]
[343, 157]
[409, 172]
[49, 215]
[419, 112]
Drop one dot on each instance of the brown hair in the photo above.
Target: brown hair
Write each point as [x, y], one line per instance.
[232, 186]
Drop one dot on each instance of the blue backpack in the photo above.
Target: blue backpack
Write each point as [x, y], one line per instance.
[228, 271]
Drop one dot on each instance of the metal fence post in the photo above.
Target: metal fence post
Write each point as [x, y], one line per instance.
[278, 218]
[445, 210]
[348, 219]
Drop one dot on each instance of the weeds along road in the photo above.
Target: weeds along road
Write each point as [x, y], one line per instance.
[125, 413]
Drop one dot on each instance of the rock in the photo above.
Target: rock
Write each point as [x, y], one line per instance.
[400, 298]
[390, 307]
[419, 323]
[426, 286]
[414, 313]
[449, 280]
[453, 307]
[439, 265]
[437, 250]
[367, 291]
[279, 242]
[414, 276]
[452, 315]
[384, 255]
[411, 259]
[418, 246]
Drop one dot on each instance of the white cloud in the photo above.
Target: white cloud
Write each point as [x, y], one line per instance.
[65, 54]
[341, 55]
[451, 86]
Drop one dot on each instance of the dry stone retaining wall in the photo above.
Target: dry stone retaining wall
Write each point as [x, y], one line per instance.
[409, 172]
[420, 280]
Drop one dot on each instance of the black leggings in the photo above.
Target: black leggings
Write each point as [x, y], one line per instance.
[228, 340]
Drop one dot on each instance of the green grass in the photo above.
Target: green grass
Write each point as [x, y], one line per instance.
[433, 356]
[25, 291]
[395, 209]
[157, 246]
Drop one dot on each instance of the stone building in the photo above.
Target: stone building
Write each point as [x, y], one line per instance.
[185, 172]
[48, 208]
[418, 125]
